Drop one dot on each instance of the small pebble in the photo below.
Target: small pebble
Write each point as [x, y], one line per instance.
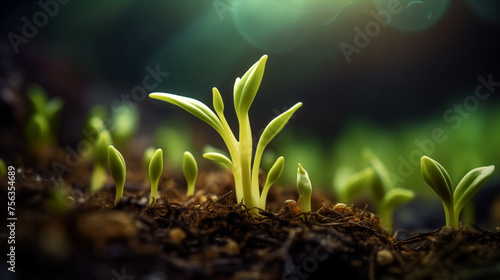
[384, 257]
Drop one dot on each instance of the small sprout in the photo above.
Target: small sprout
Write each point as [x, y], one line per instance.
[98, 111]
[3, 169]
[125, 122]
[190, 169]
[146, 160]
[304, 188]
[118, 171]
[38, 132]
[392, 199]
[99, 174]
[453, 199]
[155, 169]
[47, 109]
[59, 200]
[387, 197]
[351, 185]
[272, 176]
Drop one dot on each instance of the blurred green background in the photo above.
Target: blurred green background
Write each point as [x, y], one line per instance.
[382, 74]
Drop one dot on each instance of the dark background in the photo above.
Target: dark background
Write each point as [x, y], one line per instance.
[91, 52]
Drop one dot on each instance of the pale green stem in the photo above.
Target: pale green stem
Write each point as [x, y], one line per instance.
[190, 189]
[246, 161]
[255, 176]
[451, 218]
[305, 204]
[154, 190]
[119, 194]
[386, 217]
[232, 146]
[263, 196]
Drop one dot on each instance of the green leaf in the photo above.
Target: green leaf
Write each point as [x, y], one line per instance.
[118, 171]
[218, 102]
[438, 179]
[146, 158]
[125, 122]
[53, 108]
[275, 126]
[190, 169]
[392, 199]
[193, 106]
[156, 166]
[470, 185]
[155, 169]
[355, 184]
[396, 197]
[220, 158]
[381, 182]
[247, 87]
[101, 148]
[239, 84]
[37, 97]
[38, 130]
[272, 176]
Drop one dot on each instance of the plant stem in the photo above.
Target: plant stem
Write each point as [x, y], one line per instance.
[152, 195]
[245, 149]
[451, 218]
[119, 194]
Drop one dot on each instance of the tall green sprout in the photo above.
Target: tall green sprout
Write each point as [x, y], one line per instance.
[155, 169]
[190, 169]
[245, 170]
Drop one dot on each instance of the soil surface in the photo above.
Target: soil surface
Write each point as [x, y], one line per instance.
[65, 232]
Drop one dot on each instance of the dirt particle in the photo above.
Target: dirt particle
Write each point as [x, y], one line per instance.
[384, 257]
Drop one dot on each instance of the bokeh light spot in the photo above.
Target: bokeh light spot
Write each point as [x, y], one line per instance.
[271, 26]
[415, 16]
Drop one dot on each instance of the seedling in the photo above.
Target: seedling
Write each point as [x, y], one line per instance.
[37, 132]
[99, 174]
[453, 199]
[155, 170]
[118, 171]
[245, 88]
[350, 185]
[190, 169]
[386, 196]
[146, 160]
[124, 124]
[304, 187]
[272, 176]
[43, 124]
[94, 120]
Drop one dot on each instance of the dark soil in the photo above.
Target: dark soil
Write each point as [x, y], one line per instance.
[211, 237]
